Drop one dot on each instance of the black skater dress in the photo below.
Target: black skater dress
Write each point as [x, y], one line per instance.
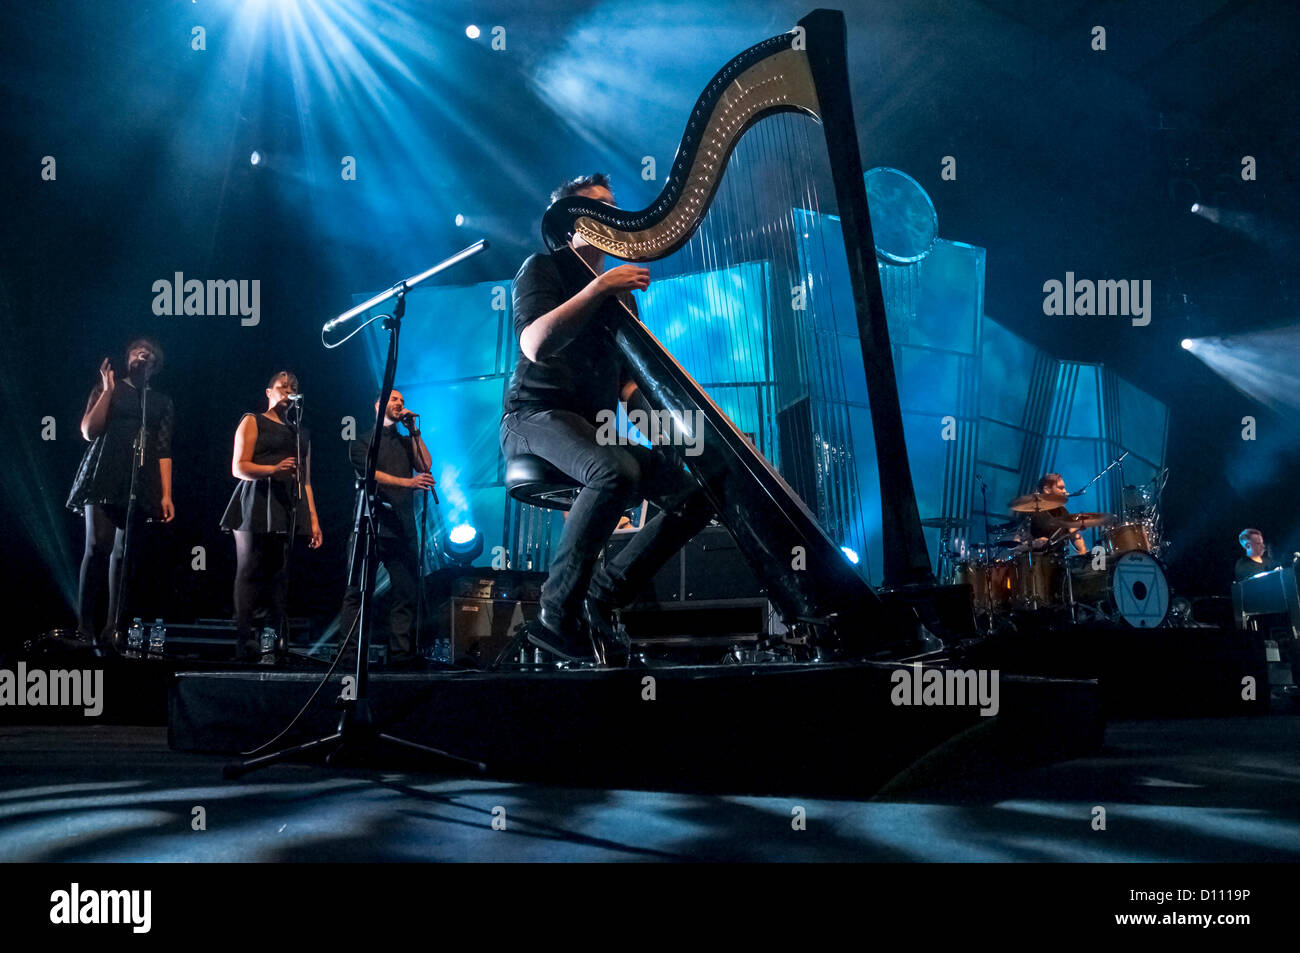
[265, 505]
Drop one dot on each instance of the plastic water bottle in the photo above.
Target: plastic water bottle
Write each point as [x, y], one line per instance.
[157, 637]
[135, 635]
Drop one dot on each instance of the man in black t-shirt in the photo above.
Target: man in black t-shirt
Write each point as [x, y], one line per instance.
[401, 471]
[569, 370]
[1045, 524]
[1257, 558]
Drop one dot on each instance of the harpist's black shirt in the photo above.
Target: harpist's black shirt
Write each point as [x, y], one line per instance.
[586, 375]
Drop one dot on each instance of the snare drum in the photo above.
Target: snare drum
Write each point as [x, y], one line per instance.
[1134, 537]
[1038, 580]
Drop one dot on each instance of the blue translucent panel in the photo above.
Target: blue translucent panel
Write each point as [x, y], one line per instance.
[1004, 486]
[744, 406]
[1143, 422]
[1006, 365]
[1078, 461]
[824, 263]
[461, 428]
[928, 381]
[950, 282]
[852, 368]
[865, 523]
[449, 332]
[1083, 402]
[926, 453]
[1000, 443]
[715, 323]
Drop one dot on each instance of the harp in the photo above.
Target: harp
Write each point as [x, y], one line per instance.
[772, 94]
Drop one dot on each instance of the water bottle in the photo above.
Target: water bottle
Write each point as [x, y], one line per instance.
[268, 640]
[157, 637]
[135, 635]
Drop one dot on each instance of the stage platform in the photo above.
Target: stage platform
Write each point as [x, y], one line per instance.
[769, 728]
[1223, 789]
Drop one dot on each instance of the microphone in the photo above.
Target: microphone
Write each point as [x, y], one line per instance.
[294, 397]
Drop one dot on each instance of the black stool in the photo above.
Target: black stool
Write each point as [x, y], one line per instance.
[532, 480]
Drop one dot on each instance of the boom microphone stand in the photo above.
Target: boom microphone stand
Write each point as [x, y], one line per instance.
[357, 734]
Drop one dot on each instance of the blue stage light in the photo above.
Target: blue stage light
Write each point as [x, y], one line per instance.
[853, 557]
[1196, 206]
[463, 544]
[255, 158]
[472, 32]
[1187, 344]
[460, 220]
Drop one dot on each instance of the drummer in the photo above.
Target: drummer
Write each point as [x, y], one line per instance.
[1045, 524]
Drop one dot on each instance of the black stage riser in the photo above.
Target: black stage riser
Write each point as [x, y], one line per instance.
[735, 728]
[1165, 672]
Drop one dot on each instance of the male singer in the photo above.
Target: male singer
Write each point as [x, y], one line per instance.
[401, 470]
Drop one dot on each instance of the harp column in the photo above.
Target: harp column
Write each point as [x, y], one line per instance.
[906, 559]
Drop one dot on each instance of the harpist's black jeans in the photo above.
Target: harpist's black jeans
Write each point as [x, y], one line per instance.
[614, 478]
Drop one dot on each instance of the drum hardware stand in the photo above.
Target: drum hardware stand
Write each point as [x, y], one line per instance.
[357, 734]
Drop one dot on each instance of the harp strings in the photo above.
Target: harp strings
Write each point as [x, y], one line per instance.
[746, 308]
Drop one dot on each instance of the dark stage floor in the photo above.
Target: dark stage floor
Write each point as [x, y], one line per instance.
[1187, 790]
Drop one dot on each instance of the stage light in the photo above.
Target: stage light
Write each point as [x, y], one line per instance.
[1196, 206]
[472, 32]
[852, 556]
[463, 544]
[1259, 364]
[460, 220]
[255, 158]
[1187, 344]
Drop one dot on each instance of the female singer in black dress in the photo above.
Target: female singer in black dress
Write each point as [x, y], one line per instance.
[102, 488]
[263, 507]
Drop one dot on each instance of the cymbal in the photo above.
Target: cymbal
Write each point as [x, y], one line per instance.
[946, 522]
[1036, 502]
[1088, 520]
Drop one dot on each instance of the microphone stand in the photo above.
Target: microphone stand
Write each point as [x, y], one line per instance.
[293, 420]
[420, 530]
[357, 735]
[1114, 463]
[128, 534]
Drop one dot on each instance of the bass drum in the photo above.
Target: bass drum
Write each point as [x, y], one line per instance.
[1132, 588]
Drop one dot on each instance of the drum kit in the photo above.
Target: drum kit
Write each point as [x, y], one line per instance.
[1120, 581]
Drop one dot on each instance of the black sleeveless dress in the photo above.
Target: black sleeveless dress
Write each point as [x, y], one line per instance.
[265, 505]
[104, 476]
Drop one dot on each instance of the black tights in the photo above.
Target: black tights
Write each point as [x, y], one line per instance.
[101, 567]
[260, 569]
